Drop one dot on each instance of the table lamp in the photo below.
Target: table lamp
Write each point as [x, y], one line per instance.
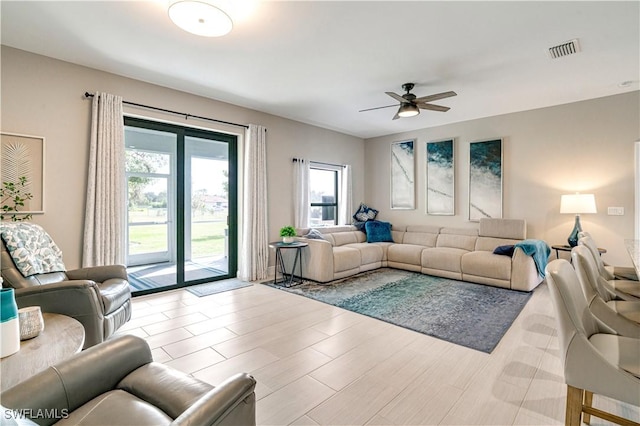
[577, 204]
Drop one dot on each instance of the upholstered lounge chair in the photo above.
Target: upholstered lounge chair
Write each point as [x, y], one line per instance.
[595, 359]
[117, 383]
[98, 297]
[621, 315]
[619, 288]
[608, 272]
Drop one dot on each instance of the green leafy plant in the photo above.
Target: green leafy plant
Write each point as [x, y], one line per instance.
[13, 196]
[287, 231]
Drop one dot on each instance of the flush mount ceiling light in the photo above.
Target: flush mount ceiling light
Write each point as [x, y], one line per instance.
[408, 110]
[200, 18]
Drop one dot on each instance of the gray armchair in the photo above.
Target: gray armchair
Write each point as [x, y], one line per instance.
[117, 383]
[98, 297]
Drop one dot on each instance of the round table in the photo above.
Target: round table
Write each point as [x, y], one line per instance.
[62, 337]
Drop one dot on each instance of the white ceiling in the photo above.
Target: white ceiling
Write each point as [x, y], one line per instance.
[320, 62]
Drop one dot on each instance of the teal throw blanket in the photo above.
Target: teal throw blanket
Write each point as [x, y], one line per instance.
[537, 249]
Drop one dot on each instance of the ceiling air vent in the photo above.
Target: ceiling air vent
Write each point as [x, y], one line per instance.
[565, 49]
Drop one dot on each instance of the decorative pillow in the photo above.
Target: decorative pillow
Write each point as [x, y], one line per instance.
[314, 234]
[32, 249]
[378, 231]
[504, 250]
[365, 213]
[360, 226]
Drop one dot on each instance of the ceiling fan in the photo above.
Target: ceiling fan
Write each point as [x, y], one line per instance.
[410, 105]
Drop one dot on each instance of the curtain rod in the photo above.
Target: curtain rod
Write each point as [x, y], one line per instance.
[185, 115]
[295, 160]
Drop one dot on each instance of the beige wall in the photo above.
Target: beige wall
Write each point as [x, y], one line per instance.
[586, 146]
[44, 97]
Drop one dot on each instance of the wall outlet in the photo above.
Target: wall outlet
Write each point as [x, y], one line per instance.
[615, 211]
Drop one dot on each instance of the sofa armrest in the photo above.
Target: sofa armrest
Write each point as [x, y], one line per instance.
[230, 403]
[99, 273]
[317, 260]
[79, 299]
[71, 383]
[524, 274]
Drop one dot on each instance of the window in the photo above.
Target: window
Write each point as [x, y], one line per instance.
[324, 181]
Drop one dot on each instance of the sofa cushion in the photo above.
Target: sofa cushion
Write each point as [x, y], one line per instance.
[427, 239]
[369, 253]
[490, 243]
[503, 228]
[458, 241]
[486, 264]
[345, 258]
[429, 229]
[351, 237]
[378, 231]
[443, 258]
[405, 253]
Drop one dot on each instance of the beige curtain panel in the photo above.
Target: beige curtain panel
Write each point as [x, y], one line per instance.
[105, 209]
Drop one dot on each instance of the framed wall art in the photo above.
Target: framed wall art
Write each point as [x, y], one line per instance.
[22, 158]
[485, 179]
[440, 178]
[402, 175]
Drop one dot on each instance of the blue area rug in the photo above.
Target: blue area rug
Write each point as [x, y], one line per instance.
[467, 314]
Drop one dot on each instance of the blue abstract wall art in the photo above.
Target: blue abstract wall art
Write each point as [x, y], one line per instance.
[402, 175]
[485, 179]
[440, 178]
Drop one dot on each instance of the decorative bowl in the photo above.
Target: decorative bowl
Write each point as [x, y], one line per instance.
[31, 322]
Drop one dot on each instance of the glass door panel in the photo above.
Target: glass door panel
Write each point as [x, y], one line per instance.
[206, 253]
[150, 159]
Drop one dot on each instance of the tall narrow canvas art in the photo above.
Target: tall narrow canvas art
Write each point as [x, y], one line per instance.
[485, 179]
[402, 175]
[440, 178]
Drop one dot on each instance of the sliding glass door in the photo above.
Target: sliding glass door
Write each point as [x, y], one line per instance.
[206, 221]
[182, 205]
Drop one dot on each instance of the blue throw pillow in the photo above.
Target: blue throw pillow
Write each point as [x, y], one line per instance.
[378, 232]
[505, 250]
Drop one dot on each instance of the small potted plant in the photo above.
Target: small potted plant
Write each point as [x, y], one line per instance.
[287, 233]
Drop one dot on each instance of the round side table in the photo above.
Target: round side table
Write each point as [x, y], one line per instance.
[62, 337]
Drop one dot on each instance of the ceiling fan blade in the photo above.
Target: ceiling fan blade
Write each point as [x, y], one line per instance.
[397, 97]
[395, 117]
[435, 97]
[371, 109]
[433, 107]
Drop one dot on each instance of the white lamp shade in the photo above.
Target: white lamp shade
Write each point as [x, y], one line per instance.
[578, 203]
[200, 18]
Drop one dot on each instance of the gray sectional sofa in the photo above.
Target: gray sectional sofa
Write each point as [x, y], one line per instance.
[458, 253]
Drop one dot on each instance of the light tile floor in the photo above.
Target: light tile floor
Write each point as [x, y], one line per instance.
[318, 364]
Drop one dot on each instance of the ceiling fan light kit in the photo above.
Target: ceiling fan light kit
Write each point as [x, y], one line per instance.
[200, 18]
[410, 105]
[408, 110]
